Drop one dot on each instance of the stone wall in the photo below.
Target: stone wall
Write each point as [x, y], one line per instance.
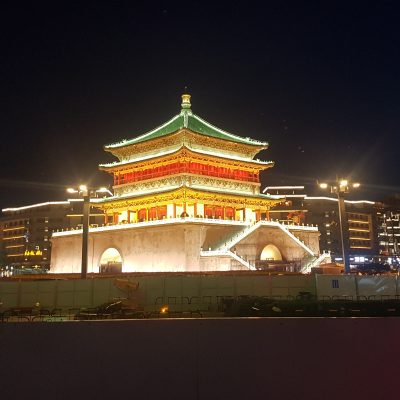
[172, 247]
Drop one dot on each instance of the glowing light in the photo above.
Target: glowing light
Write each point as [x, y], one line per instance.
[283, 188]
[359, 201]
[335, 199]
[356, 185]
[33, 253]
[343, 183]
[323, 185]
[164, 309]
[48, 203]
[14, 228]
[13, 237]
[71, 190]
[83, 188]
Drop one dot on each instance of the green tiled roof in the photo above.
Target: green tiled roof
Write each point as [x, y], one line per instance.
[186, 119]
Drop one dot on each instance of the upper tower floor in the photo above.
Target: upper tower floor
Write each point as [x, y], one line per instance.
[188, 146]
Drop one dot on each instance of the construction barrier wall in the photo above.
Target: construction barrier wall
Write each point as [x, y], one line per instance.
[363, 287]
[155, 291]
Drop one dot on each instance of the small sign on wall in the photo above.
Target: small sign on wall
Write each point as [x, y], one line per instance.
[335, 283]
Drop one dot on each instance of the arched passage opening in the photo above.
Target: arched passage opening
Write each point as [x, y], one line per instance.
[271, 252]
[110, 261]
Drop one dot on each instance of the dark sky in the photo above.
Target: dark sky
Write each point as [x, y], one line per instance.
[319, 81]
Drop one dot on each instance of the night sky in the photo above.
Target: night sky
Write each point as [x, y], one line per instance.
[319, 81]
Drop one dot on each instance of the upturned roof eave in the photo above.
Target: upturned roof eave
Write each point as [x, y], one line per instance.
[174, 151]
[170, 127]
[227, 135]
[112, 199]
[141, 138]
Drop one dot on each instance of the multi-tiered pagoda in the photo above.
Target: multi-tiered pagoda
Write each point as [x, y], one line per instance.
[186, 197]
[187, 167]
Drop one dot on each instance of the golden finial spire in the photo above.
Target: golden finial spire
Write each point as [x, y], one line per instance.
[186, 100]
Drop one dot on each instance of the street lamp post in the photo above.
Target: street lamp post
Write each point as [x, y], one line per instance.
[86, 193]
[85, 233]
[340, 188]
[344, 231]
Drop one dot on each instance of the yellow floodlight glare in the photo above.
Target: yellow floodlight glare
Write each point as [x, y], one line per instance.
[83, 188]
[71, 190]
[323, 185]
[343, 183]
[356, 185]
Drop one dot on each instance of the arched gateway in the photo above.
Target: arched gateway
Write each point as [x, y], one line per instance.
[110, 261]
[271, 252]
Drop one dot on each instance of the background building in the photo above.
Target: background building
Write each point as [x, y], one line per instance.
[25, 232]
[388, 224]
[362, 221]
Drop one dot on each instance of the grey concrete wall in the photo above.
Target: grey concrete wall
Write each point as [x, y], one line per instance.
[163, 289]
[231, 359]
[92, 292]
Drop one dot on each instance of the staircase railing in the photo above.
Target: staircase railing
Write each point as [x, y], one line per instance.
[314, 262]
[225, 252]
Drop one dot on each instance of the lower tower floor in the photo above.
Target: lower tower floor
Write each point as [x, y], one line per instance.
[185, 244]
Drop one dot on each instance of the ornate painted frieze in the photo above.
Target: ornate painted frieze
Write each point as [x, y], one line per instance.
[189, 180]
[185, 195]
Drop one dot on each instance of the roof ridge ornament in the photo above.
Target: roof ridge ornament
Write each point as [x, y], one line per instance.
[186, 111]
[186, 101]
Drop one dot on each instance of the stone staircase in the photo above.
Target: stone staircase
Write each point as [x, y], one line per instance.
[225, 248]
[251, 228]
[228, 253]
[315, 261]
